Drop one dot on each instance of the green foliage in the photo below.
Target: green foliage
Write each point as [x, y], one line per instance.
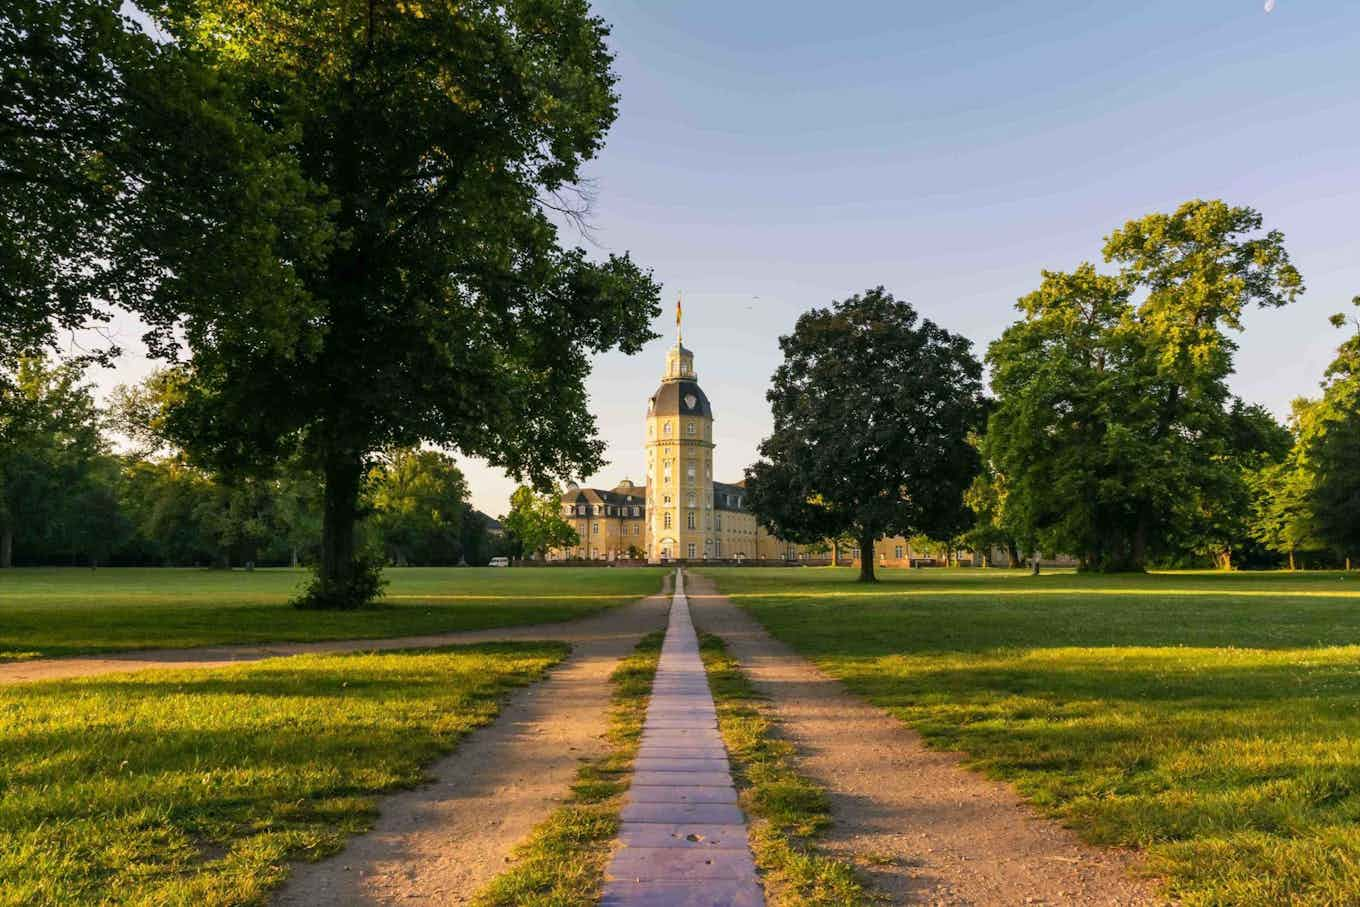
[419, 498]
[1330, 443]
[69, 70]
[873, 408]
[50, 452]
[535, 521]
[1207, 718]
[378, 186]
[1114, 429]
[360, 586]
[201, 786]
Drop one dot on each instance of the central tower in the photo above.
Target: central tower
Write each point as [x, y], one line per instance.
[679, 464]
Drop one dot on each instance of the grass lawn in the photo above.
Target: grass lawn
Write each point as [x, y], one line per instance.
[69, 611]
[198, 787]
[1211, 719]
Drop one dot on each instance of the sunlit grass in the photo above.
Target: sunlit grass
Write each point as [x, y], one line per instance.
[198, 787]
[49, 612]
[1212, 720]
[787, 810]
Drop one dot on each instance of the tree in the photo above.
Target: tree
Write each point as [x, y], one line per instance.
[1330, 438]
[69, 73]
[1113, 423]
[49, 440]
[376, 184]
[986, 498]
[872, 409]
[535, 521]
[419, 499]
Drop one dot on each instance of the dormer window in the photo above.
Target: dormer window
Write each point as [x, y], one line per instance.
[667, 429]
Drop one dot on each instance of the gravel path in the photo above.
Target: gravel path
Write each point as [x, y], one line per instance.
[216, 656]
[944, 835]
[439, 844]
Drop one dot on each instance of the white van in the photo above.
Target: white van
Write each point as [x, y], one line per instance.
[499, 562]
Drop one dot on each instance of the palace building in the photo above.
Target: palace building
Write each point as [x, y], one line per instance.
[681, 513]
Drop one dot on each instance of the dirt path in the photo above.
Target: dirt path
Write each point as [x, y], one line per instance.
[952, 836]
[215, 656]
[442, 842]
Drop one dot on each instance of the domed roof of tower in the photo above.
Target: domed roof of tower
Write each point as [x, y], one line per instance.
[680, 398]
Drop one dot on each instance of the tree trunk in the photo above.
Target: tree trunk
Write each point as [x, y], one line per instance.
[1012, 555]
[6, 547]
[866, 558]
[293, 557]
[835, 554]
[1034, 563]
[1291, 559]
[338, 518]
[1138, 551]
[1225, 559]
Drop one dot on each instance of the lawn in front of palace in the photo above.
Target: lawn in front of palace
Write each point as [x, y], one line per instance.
[1211, 719]
[69, 611]
[198, 787]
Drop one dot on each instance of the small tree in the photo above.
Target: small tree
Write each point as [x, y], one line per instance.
[535, 521]
[419, 498]
[872, 409]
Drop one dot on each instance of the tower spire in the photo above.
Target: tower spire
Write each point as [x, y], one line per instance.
[678, 336]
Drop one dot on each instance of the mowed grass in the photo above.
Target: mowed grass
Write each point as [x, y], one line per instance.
[1212, 720]
[198, 787]
[71, 611]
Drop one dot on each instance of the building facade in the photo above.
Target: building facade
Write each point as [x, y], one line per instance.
[680, 513]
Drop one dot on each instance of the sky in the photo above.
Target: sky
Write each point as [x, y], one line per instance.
[772, 157]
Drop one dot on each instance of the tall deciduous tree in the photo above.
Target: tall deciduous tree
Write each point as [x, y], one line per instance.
[1330, 437]
[357, 241]
[1114, 424]
[873, 407]
[536, 522]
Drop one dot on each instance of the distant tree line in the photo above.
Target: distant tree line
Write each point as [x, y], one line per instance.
[85, 486]
[1110, 433]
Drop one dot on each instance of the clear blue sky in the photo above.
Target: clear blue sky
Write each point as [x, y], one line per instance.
[771, 157]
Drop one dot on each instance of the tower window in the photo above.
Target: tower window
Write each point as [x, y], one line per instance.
[690, 521]
[689, 470]
[689, 429]
[666, 430]
[666, 521]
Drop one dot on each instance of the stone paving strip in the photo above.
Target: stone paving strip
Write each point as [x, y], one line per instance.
[683, 836]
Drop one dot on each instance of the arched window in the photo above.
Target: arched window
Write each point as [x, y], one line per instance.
[667, 429]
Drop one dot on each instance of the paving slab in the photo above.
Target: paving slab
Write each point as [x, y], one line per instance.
[691, 793]
[722, 893]
[670, 864]
[685, 779]
[682, 836]
[685, 836]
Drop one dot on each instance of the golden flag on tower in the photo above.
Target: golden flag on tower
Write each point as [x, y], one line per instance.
[678, 297]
